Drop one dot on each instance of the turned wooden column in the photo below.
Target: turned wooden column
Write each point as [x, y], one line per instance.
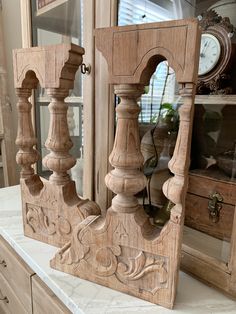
[26, 139]
[58, 142]
[126, 179]
[175, 188]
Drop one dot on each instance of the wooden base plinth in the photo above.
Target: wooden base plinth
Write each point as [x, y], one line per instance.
[124, 252]
[51, 212]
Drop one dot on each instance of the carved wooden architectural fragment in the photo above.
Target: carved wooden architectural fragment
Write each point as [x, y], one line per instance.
[123, 250]
[51, 209]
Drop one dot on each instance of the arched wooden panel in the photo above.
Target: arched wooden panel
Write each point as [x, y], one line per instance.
[128, 49]
[54, 66]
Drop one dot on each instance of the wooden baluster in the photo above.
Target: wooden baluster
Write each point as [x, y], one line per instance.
[126, 179]
[175, 188]
[26, 139]
[58, 142]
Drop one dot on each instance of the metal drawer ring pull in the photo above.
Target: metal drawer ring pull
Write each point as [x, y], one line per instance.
[214, 206]
[4, 299]
[3, 263]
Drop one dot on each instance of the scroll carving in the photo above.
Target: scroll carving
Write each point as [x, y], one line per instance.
[42, 223]
[130, 266]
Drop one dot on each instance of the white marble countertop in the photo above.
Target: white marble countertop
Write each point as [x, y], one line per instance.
[82, 296]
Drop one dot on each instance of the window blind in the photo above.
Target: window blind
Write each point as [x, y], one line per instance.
[161, 88]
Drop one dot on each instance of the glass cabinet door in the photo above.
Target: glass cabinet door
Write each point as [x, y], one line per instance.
[209, 238]
[158, 119]
[211, 201]
[56, 22]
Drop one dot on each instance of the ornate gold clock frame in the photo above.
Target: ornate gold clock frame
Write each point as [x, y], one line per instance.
[220, 80]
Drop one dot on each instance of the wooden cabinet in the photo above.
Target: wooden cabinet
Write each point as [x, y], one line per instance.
[18, 276]
[21, 290]
[209, 242]
[44, 300]
[9, 302]
[54, 22]
[200, 192]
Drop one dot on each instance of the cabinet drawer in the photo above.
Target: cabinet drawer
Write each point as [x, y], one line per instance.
[200, 192]
[205, 186]
[197, 217]
[16, 273]
[44, 300]
[11, 305]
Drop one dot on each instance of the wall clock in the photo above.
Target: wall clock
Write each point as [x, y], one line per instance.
[217, 55]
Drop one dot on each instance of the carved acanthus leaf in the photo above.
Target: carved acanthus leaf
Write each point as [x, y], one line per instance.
[77, 249]
[41, 223]
[140, 265]
[105, 262]
[74, 251]
[38, 221]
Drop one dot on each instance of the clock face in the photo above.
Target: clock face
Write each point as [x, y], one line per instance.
[209, 53]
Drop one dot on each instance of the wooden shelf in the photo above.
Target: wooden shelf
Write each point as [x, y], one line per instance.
[72, 99]
[211, 99]
[216, 99]
[206, 244]
[214, 173]
[48, 7]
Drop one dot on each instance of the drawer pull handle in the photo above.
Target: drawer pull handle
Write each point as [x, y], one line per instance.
[4, 299]
[214, 206]
[3, 263]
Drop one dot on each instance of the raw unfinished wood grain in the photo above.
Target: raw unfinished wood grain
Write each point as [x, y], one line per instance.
[51, 208]
[104, 98]
[122, 250]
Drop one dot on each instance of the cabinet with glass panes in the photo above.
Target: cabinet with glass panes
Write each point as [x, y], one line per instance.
[209, 240]
[57, 22]
[209, 248]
